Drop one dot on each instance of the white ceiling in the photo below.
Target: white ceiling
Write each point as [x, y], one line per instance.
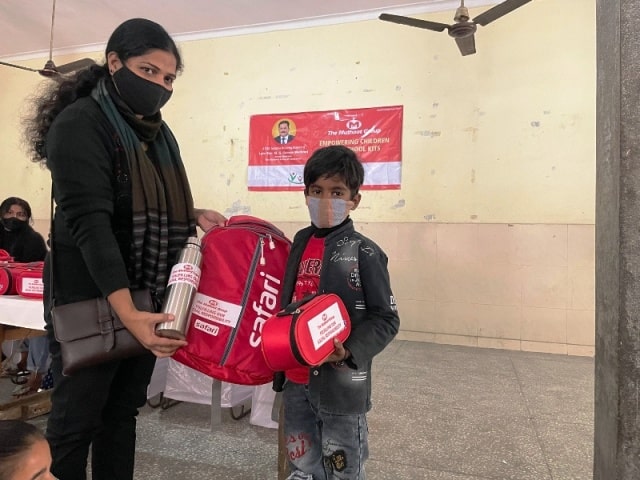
[85, 25]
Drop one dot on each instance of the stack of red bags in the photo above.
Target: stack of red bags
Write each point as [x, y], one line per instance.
[24, 279]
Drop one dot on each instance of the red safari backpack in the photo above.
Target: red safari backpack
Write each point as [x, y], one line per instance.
[243, 267]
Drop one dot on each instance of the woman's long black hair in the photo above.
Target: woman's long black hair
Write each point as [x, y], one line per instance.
[132, 38]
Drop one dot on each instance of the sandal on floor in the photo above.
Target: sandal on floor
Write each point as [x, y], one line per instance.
[30, 387]
[21, 377]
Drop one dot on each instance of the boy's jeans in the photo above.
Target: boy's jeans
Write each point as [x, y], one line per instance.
[322, 446]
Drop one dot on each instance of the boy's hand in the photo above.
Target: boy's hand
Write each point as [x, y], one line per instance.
[340, 354]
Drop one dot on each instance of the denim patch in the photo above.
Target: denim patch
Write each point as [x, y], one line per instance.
[337, 461]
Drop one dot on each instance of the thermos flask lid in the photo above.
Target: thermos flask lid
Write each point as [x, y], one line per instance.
[193, 241]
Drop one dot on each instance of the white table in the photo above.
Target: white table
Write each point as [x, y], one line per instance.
[20, 317]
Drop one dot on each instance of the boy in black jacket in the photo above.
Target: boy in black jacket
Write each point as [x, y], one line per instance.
[325, 407]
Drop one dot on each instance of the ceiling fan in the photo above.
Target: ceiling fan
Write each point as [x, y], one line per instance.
[50, 69]
[464, 29]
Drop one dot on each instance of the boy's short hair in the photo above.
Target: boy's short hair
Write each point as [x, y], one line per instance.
[331, 161]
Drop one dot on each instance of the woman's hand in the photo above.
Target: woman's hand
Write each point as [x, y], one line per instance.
[208, 219]
[142, 325]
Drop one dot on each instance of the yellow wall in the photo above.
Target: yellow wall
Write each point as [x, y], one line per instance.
[505, 135]
[500, 139]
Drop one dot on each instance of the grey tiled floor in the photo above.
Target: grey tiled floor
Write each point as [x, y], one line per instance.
[440, 412]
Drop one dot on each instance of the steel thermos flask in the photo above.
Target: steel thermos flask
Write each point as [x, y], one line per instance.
[181, 289]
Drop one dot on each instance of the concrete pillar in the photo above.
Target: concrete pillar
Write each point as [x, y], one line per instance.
[617, 375]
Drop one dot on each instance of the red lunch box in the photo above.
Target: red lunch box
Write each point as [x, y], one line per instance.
[29, 281]
[302, 334]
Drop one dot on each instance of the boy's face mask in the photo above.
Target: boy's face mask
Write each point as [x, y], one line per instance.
[328, 212]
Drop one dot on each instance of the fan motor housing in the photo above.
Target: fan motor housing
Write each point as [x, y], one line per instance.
[462, 29]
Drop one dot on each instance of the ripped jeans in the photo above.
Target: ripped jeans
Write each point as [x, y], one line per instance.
[322, 446]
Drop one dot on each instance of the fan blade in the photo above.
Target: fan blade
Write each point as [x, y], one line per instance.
[414, 22]
[498, 11]
[73, 66]
[467, 45]
[18, 66]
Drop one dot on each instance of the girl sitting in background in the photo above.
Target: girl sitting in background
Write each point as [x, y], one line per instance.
[25, 245]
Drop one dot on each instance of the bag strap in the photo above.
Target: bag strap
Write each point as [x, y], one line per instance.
[51, 242]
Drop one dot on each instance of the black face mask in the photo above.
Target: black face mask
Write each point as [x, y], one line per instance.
[13, 224]
[142, 96]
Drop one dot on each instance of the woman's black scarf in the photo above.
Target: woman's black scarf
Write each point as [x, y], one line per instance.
[162, 205]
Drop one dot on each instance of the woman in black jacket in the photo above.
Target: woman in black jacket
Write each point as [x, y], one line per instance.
[123, 211]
